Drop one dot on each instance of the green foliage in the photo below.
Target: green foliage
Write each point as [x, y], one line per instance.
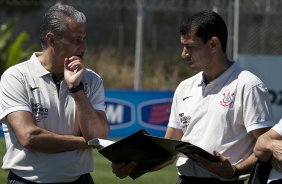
[12, 49]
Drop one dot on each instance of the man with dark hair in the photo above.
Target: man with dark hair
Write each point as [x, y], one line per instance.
[52, 105]
[222, 109]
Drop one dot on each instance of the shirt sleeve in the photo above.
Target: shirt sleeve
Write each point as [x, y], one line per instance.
[257, 110]
[173, 119]
[13, 93]
[96, 91]
[278, 127]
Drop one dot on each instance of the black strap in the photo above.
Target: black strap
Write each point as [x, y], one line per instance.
[77, 88]
[260, 173]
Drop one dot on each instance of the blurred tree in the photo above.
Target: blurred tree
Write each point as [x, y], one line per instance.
[12, 49]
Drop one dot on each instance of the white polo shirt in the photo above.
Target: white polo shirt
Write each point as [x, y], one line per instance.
[274, 174]
[28, 86]
[220, 116]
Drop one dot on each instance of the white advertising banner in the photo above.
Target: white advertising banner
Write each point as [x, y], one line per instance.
[269, 70]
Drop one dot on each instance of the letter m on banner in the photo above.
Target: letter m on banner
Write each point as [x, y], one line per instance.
[119, 113]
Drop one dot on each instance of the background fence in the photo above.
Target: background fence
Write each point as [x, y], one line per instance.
[113, 22]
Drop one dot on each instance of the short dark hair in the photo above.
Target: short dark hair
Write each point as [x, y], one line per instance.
[55, 20]
[206, 24]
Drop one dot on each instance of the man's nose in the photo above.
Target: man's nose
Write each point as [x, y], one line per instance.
[185, 53]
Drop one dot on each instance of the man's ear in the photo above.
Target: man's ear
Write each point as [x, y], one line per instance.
[50, 39]
[215, 43]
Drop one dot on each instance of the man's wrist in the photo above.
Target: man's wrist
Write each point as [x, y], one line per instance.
[236, 172]
[77, 88]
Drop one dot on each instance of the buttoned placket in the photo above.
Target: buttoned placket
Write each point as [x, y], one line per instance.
[57, 83]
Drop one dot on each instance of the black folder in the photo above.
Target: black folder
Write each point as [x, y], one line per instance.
[149, 151]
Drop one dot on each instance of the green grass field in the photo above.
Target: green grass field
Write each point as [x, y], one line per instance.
[103, 173]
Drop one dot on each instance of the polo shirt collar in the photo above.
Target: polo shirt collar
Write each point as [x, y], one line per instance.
[38, 69]
[221, 80]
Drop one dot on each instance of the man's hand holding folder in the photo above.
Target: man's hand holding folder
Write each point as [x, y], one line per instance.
[141, 152]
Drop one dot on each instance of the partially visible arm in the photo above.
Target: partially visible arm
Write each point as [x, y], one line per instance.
[265, 145]
[93, 123]
[173, 133]
[269, 147]
[35, 138]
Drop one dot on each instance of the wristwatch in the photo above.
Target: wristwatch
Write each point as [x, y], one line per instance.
[77, 88]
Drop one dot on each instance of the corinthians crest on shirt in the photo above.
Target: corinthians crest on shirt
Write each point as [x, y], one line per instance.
[228, 98]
